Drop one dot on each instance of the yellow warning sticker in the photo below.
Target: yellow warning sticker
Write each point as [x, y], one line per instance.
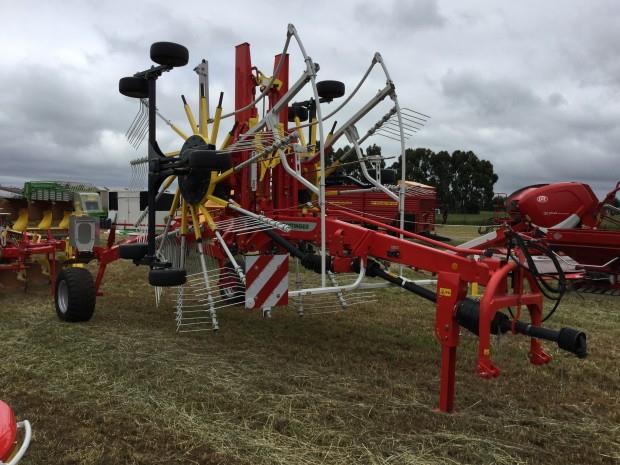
[445, 292]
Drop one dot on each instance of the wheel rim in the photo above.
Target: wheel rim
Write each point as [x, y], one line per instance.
[62, 296]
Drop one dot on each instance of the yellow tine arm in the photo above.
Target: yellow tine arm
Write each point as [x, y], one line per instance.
[181, 134]
[174, 153]
[204, 112]
[300, 132]
[216, 120]
[224, 175]
[334, 166]
[22, 220]
[218, 201]
[46, 221]
[190, 115]
[175, 202]
[331, 168]
[229, 137]
[208, 217]
[313, 132]
[168, 182]
[330, 134]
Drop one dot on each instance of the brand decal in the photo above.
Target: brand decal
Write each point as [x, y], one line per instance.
[300, 225]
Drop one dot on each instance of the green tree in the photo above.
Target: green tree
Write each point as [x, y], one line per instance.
[464, 182]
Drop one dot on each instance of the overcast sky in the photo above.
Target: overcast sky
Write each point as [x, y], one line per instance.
[532, 86]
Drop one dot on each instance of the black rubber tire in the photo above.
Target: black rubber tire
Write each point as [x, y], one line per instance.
[388, 176]
[134, 251]
[169, 54]
[229, 284]
[74, 295]
[167, 277]
[330, 90]
[299, 112]
[209, 160]
[133, 87]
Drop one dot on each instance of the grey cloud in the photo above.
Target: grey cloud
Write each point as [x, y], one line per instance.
[535, 94]
[401, 16]
[488, 97]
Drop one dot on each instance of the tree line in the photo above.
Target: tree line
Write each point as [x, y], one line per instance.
[463, 181]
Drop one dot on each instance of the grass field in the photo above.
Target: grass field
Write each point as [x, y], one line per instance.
[355, 387]
[468, 218]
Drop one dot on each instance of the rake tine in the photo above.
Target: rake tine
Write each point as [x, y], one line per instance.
[139, 128]
[410, 121]
[409, 110]
[379, 133]
[392, 131]
[135, 119]
[138, 122]
[406, 124]
[395, 127]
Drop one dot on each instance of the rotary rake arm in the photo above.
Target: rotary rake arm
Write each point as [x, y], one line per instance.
[351, 246]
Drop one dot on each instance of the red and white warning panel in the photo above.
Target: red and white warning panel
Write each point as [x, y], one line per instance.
[266, 279]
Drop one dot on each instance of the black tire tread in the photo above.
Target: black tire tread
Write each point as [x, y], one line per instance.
[82, 294]
[169, 54]
[133, 251]
[133, 87]
[166, 277]
[330, 89]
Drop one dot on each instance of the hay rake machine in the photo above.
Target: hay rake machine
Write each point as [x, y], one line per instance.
[247, 206]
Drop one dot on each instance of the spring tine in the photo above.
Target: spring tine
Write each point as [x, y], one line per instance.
[141, 133]
[409, 110]
[135, 128]
[379, 133]
[143, 122]
[395, 127]
[135, 118]
[391, 131]
[406, 124]
[418, 124]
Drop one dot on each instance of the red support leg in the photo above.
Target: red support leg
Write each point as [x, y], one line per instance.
[450, 290]
[536, 354]
[447, 379]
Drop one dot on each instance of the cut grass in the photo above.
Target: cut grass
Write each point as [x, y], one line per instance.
[348, 388]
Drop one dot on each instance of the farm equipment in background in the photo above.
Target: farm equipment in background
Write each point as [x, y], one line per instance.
[53, 249]
[12, 431]
[245, 205]
[567, 231]
[499, 215]
[350, 193]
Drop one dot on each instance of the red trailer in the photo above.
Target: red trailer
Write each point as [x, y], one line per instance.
[349, 193]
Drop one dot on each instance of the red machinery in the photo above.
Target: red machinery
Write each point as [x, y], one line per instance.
[242, 209]
[10, 451]
[350, 193]
[568, 219]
